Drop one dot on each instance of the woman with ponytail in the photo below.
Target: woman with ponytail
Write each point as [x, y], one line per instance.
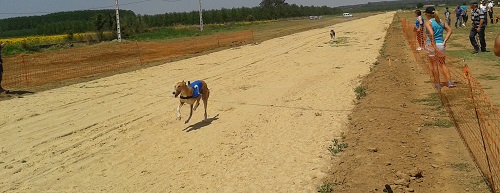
[436, 45]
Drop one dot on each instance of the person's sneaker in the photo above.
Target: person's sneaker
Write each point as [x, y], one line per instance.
[419, 48]
[485, 51]
[437, 86]
[2, 90]
[475, 52]
[450, 84]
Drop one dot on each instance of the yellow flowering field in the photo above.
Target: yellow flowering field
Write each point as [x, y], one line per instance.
[52, 39]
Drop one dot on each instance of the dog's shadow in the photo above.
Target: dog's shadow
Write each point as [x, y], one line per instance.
[201, 124]
[14, 94]
[18, 92]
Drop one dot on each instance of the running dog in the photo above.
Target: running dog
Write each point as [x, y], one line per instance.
[191, 93]
[332, 34]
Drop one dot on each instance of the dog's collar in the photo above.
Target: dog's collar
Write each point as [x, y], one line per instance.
[188, 97]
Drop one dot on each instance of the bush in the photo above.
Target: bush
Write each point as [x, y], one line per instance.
[250, 18]
[360, 92]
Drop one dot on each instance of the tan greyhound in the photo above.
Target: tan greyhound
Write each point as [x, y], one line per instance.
[191, 93]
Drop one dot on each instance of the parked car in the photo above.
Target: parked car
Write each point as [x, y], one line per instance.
[347, 15]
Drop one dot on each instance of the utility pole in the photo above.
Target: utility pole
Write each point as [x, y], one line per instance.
[118, 22]
[201, 17]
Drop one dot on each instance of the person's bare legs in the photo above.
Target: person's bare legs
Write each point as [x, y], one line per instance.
[446, 72]
[434, 67]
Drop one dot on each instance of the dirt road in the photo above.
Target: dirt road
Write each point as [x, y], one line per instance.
[273, 110]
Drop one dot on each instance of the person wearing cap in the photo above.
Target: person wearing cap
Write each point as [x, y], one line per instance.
[478, 28]
[447, 16]
[489, 8]
[436, 45]
[2, 46]
[458, 14]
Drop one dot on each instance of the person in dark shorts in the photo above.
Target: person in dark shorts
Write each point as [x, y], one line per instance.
[2, 46]
[478, 27]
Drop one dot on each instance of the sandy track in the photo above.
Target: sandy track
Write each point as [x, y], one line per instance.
[273, 110]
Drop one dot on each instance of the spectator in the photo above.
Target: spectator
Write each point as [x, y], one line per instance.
[2, 46]
[458, 14]
[436, 45]
[419, 28]
[489, 7]
[465, 16]
[447, 16]
[484, 8]
[478, 27]
[497, 46]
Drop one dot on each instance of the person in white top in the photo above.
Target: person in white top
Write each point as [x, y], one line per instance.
[484, 8]
[489, 8]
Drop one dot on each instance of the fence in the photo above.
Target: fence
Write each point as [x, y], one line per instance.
[28, 70]
[472, 112]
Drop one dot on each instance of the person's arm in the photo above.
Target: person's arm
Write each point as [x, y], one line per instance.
[496, 48]
[481, 21]
[428, 27]
[448, 33]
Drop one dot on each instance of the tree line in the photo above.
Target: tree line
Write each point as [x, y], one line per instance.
[131, 23]
[63, 23]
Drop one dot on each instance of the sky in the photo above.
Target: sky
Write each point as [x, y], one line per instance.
[16, 8]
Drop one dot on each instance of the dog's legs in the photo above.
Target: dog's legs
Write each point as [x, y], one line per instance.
[190, 113]
[205, 102]
[179, 111]
[197, 104]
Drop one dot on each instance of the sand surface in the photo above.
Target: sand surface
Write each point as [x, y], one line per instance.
[274, 109]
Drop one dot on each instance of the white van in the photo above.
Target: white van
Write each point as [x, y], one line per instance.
[347, 15]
